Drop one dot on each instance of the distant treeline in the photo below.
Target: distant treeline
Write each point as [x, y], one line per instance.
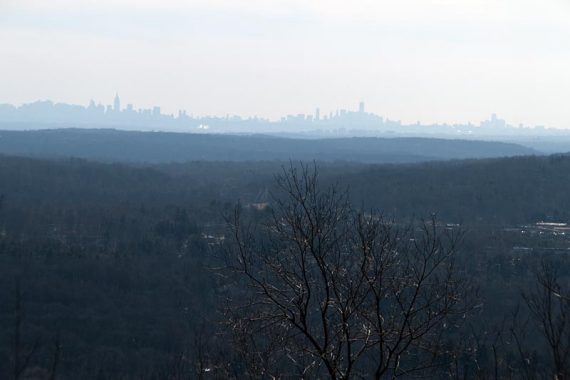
[160, 147]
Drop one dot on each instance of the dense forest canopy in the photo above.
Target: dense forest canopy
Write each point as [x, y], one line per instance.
[510, 190]
[114, 270]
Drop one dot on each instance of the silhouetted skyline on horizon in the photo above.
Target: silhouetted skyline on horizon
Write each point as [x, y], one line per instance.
[340, 121]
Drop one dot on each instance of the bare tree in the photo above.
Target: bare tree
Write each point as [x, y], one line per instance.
[56, 356]
[21, 355]
[343, 292]
[549, 304]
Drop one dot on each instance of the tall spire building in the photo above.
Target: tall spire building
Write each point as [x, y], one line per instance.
[117, 103]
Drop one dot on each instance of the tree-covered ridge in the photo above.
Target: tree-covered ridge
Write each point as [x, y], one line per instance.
[161, 147]
[509, 190]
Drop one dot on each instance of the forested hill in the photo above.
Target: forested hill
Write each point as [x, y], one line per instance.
[159, 147]
[508, 190]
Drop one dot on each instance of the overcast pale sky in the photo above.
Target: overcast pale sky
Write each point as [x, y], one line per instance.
[428, 60]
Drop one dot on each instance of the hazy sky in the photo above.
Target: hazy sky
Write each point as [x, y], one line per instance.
[429, 60]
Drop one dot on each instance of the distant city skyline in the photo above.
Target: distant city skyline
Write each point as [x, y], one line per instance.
[117, 105]
[356, 121]
[437, 61]
[315, 110]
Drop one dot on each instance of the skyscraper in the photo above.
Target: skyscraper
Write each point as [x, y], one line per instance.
[117, 104]
[317, 114]
[361, 107]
